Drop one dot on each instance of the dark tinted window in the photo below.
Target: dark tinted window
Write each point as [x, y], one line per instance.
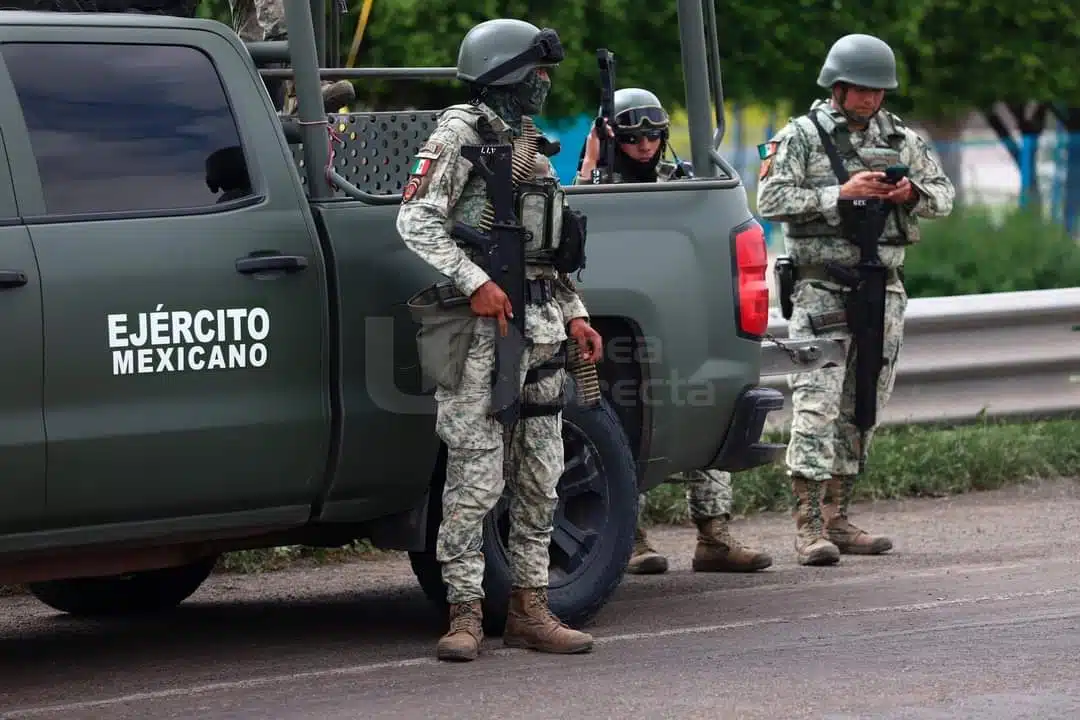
[127, 127]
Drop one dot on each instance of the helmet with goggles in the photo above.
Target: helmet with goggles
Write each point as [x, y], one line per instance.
[638, 110]
[504, 51]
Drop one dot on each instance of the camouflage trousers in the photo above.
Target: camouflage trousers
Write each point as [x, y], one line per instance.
[824, 440]
[481, 463]
[258, 20]
[708, 493]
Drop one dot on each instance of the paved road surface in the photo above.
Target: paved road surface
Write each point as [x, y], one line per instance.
[974, 615]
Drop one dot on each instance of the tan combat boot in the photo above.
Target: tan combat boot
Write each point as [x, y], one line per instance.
[811, 545]
[645, 560]
[462, 641]
[717, 551]
[531, 625]
[845, 535]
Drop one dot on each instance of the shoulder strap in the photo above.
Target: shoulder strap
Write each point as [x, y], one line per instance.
[893, 129]
[830, 149]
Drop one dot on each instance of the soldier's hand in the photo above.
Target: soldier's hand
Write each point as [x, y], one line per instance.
[592, 143]
[489, 300]
[866, 184]
[902, 192]
[589, 342]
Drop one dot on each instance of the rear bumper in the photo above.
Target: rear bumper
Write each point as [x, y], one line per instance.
[743, 448]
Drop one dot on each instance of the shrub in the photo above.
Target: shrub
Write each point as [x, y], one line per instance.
[983, 250]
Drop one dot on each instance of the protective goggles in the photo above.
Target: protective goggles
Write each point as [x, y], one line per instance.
[640, 117]
[635, 136]
[545, 49]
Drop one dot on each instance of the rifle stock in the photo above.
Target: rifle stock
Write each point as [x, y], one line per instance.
[503, 250]
[605, 59]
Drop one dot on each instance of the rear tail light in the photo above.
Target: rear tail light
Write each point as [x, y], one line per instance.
[751, 287]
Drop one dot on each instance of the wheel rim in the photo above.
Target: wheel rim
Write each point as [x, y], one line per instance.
[581, 516]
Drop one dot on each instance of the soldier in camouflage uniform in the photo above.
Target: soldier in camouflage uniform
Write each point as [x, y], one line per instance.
[260, 20]
[798, 187]
[504, 63]
[640, 129]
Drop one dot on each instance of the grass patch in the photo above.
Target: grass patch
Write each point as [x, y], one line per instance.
[270, 559]
[913, 461]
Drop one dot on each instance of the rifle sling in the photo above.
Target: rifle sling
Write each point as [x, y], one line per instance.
[830, 149]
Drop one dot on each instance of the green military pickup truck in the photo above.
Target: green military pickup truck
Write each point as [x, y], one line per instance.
[206, 346]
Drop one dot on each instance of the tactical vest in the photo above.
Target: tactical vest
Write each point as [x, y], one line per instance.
[538, 201]
[885, 150]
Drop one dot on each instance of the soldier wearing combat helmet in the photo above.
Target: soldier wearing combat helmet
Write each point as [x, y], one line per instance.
[504, 63]
[640, 130]
[799, 187]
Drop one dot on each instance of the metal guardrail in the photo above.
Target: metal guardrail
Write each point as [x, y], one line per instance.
[998, 355]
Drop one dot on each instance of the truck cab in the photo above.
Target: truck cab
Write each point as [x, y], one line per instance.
[208, 346]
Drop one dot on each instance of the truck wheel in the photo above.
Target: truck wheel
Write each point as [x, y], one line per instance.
[593, 529]
[147, 591]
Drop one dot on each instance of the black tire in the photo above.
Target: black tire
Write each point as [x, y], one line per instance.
[136, 593]
[598, 502]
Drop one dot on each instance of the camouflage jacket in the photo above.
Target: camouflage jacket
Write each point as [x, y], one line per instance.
[440, 191]
[798, 187]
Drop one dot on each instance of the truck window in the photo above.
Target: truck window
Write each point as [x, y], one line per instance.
[127, 128]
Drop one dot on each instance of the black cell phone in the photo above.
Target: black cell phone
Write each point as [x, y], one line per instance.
[895, 173]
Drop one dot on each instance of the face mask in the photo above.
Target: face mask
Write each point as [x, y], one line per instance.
[532, 92]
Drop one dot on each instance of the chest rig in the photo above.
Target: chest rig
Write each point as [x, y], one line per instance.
[841, 159]
[538, 201]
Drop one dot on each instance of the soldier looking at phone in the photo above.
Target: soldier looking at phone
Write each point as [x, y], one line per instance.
[847, 146]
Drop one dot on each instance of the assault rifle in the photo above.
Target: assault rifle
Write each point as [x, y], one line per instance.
[503, 252]
[606, 60]
[863, 221]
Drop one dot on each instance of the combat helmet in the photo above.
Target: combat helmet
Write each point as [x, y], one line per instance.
[636, 108]
[862, 60]
[504, 51]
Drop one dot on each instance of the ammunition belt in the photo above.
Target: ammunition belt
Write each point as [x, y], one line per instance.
[523, 162]
[818, 272]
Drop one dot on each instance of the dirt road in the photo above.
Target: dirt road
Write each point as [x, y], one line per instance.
[975, 614]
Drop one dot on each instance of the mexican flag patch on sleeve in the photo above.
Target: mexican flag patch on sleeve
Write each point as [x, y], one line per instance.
[420, 166]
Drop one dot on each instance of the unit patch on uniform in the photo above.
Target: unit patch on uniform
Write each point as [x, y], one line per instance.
[409, 191]
[766, 151]
[431, 150]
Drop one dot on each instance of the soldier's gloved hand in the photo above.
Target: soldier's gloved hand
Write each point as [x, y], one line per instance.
[588, 340]
[489, 300]
[866, 184]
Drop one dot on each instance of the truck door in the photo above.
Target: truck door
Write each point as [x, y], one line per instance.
[22, 425]
[184, 293]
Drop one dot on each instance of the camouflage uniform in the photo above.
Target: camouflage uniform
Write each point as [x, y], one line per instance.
[798, 187]
[259, 20]
[440, 192]
[708, 492]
